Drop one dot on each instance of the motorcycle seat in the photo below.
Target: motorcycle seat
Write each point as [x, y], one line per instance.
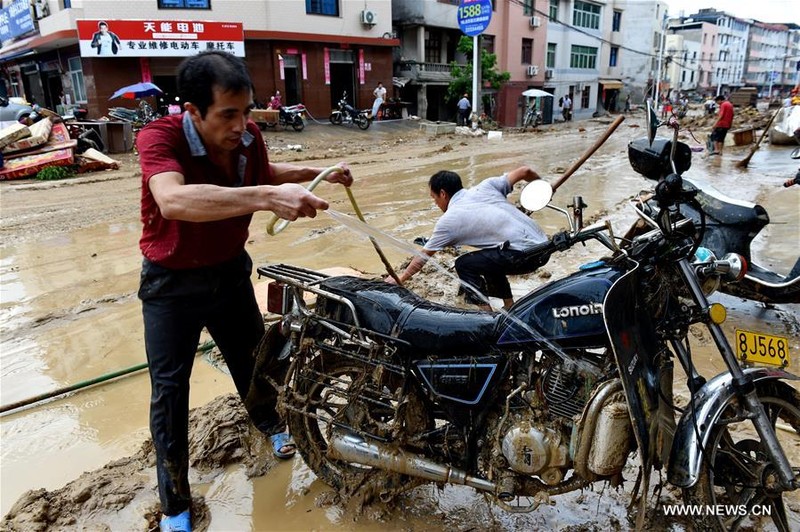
[431, 328]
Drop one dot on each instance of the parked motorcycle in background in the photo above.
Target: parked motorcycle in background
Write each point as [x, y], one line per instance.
[533, 118]
[291, 115]
[347, 114]
[138, 117]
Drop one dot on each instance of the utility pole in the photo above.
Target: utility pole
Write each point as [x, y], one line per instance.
[660, 59]
[476, 74]
[771, 70]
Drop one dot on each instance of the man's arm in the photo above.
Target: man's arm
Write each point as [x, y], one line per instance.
[205, 203]
[290, 173]
[523, 173]
[416, 265]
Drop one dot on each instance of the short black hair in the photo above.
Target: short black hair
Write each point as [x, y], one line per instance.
[199, 74]
[101, 24]
[445, 180]
[719, 98]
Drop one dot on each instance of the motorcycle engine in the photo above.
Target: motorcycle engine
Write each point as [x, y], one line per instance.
[531, 449]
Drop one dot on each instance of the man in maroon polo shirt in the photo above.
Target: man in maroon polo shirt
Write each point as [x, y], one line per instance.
[204, 173]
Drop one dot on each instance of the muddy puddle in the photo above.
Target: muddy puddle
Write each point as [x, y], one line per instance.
[68, 313]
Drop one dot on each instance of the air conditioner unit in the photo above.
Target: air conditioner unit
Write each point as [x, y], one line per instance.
[532, 70]
[535, 22]
[548, 73]
[368, 17]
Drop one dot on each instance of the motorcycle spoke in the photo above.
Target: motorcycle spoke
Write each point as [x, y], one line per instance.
[779, 514]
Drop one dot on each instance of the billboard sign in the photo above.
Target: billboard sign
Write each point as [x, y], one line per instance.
[158, 38]
[15, 20]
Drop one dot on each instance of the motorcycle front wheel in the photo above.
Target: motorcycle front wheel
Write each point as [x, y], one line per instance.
[336, 118]
[362, 122]
[297, 123]
[737, 474]
[341, 394]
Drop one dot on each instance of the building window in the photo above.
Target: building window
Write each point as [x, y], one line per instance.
[527, 51]
[551, 55]
[585, 93]
[433, 47]
[612, 61]
[616, 21]
[76, 76]
[322, 7]
[553, 9]
[586, 15]
[705, 35]
[583, 57]
[527, 8]
[184, 4]
[487, 43]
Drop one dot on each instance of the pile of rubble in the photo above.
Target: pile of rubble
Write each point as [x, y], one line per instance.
[742, 118]
[26, 150]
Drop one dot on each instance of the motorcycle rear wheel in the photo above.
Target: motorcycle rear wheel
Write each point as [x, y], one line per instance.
[362, 122]
[298, 124]
[736, 466]
[325, 386]
[336, 118]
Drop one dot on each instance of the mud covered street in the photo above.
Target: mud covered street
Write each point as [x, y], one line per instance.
[68, 312]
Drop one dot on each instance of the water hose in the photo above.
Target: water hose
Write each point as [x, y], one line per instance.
[89, 382]
[274, 227]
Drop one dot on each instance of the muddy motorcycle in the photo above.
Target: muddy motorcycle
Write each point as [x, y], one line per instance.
[384, 390]
[347, 114]
[730, 224]
[291, 115]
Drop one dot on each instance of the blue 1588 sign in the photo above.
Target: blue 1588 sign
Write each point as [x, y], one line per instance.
[474, 16]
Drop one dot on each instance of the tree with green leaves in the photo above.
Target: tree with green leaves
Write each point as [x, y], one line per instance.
[462, 75]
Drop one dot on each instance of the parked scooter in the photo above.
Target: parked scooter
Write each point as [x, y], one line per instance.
[347, 114]
[730, 224]
[533, 118]
[291, 115]
[138, 117]
[385, 391]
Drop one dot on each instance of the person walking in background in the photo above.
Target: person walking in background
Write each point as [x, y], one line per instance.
[567, 109]
[204, 173]
[723, 124]
[628, 104]
[380, 96]
[464, 107]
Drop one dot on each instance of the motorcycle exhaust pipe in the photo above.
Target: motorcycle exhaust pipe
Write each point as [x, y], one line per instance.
[352, 448]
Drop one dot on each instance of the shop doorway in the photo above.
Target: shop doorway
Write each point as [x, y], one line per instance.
[343, 77]
[292, 80]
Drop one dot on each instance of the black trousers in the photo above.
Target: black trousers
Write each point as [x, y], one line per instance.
[176, 305]
[486, 270]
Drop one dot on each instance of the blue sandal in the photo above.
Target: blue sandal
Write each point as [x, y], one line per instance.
[281, 440]
[176, 523]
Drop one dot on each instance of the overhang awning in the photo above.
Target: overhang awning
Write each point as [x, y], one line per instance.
[400, 82]
[610, 83]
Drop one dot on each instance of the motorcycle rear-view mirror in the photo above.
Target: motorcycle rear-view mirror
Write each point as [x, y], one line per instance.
[536, 195]
[652, 123]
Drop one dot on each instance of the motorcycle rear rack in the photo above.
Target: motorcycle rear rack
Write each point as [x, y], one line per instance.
[306, 280]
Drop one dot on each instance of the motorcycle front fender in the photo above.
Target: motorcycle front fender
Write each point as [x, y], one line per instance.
[697, 422]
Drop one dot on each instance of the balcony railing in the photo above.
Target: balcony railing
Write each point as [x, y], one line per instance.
[426, 71]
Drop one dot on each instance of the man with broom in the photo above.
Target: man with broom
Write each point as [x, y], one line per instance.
[724, 123]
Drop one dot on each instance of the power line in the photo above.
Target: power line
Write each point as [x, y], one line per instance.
[639, 52]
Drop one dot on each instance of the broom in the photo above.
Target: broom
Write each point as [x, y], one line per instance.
[744, 162]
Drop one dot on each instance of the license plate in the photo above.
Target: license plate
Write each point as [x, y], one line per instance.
[755, 347]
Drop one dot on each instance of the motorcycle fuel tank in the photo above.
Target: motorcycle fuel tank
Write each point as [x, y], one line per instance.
[568, 311]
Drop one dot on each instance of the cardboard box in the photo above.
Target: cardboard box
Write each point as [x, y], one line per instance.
[743, 136]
